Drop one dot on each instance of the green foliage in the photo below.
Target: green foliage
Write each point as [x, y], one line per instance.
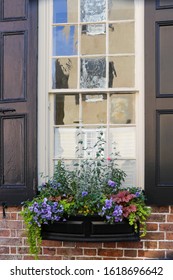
[90, 186]
[33, 231]
[140, 216]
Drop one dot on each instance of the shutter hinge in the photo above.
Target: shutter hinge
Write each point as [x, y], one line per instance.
[4, 206]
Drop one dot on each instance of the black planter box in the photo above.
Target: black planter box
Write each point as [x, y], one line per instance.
[89, 228]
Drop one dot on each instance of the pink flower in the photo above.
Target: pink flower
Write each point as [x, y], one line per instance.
[128, 209]
[123, 196]
[108, 158]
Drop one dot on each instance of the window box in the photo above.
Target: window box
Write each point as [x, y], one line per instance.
[89, 228]
[90, 193]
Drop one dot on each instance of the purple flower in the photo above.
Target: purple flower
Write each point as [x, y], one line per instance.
[112, 183]
[84, 193]
[108, 203]
[137, 194]
[108, 217]
[54, 184]
[117, 213]
[45, 211]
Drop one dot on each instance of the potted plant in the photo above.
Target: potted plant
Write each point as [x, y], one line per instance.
[86, 201]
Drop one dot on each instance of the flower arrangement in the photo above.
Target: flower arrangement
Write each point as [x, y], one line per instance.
[90, 187]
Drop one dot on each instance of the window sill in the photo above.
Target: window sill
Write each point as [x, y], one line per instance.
[89, 228]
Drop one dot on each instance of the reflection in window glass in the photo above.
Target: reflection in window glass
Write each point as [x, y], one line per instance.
[93, 55]
[65, 40]
[65, 11]
[124, 139]
[129, 166]
[66, 109]
[121, 38]
[94, 109]
[89, 136]
[122, 109]
[93, 39]
[121, 9]
[121, 71]
[93, 73]
[93, 11]
[65, 142]
[64, 73]
[67, 139]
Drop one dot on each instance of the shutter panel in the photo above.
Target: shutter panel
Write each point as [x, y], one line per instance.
[159, 102]
[18, 95]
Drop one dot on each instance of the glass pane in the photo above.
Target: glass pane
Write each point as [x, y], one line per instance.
[94, 109]
[125, 140]
[64, 73]
[69, 163]
[90, 137]
[93, 39]
[66, 109]
[65, 142]
[65, 11]
[93, 11]
[121, 9]
[122, 109]
[93, 73]
[121, 38]
[65, 40]
[129, 167]
[121, 71]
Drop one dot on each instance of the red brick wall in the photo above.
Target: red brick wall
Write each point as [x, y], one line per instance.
[157, 244]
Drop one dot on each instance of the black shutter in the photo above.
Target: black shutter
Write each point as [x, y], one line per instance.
[159, 101]
[18, 96]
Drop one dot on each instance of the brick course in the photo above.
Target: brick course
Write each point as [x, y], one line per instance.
[157, 244]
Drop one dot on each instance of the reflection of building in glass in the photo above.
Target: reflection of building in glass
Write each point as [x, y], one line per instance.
[94, 29]
[122, 109]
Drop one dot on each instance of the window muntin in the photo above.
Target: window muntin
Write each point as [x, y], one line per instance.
[93, 54]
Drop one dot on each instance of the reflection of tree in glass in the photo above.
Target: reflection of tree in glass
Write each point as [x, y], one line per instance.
[112, 73]
[62, 73]
[93, 11]
[93, 73]
[62, 76]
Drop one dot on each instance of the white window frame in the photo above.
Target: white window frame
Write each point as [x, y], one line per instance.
[45, 99]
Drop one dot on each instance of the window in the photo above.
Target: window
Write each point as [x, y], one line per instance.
[91, 58]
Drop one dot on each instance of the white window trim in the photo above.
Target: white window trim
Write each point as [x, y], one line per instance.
[43, 88]
[139, 76]
[45, 100]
